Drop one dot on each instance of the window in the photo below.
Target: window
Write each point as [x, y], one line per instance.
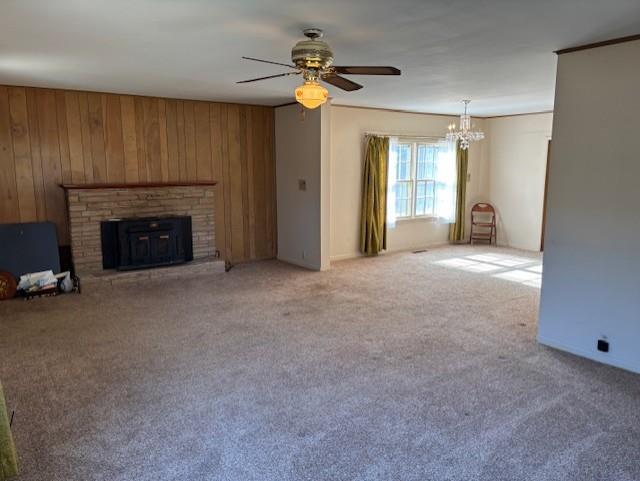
[415, 183]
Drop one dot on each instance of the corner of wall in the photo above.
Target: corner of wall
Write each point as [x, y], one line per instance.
[303, 186]
[325, 186]
[516, 157]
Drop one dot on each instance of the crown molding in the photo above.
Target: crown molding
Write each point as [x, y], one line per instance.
[518, 115]
[604, 43]
[442, 115]
[398, 111]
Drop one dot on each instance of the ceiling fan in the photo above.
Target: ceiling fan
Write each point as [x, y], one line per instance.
[313, 59]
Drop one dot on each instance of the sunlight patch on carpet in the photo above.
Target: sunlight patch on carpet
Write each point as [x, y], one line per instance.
[522, 270]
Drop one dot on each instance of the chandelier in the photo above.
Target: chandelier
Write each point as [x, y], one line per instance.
[465, 133]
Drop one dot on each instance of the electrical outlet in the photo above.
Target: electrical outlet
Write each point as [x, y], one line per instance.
[302, 184]
[603, 345]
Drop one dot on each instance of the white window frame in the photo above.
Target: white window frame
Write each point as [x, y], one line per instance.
[413, 180]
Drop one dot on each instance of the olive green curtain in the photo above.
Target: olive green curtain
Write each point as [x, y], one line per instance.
[8, 458]
[456, 230]
[373, 228]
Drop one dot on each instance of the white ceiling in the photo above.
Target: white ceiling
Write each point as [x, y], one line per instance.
[497, 52]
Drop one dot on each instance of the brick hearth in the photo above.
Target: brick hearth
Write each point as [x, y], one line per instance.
[88, 207]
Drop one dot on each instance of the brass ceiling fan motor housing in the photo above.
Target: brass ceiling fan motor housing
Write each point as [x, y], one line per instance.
[312, 53]
[313, 59]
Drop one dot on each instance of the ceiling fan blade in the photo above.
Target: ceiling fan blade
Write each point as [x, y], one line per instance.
[268, 77]
[367, 70]
[269, 61]
[341, 82]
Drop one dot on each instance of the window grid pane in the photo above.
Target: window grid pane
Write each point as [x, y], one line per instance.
[403, 168]
[425, 194]
[403, 198]
[421, 162]
[425, 162]
[431, 162]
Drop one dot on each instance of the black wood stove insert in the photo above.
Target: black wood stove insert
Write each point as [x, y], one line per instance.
[138, 243]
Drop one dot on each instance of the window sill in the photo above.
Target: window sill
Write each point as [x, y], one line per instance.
[424, 218]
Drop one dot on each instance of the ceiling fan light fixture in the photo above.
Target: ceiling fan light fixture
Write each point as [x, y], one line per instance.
[313, 59]
[311, 94]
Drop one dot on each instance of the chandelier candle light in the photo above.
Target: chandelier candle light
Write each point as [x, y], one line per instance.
[465, 133]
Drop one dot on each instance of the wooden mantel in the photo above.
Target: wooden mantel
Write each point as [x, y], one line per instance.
[144, 185]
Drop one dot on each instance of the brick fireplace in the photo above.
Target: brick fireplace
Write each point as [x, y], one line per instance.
[89, 205]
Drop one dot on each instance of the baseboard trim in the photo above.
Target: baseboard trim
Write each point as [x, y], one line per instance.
[593, 355]
[342, 257]
[355, 255]
[298, 263]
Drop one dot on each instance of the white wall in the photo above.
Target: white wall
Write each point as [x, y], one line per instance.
[590, 285]
[302, 151]
[517, 152]
[506, 169]
[348, 127]
[325, 187]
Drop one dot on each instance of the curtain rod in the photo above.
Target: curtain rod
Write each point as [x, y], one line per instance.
[386, 134]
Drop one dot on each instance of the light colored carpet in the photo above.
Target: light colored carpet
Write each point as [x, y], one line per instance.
[403, 367]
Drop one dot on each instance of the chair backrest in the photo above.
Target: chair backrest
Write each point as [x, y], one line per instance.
[483, 207]
[486, 212]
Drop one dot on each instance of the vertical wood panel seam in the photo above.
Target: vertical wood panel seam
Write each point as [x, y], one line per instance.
[233, 142]
[11, 153]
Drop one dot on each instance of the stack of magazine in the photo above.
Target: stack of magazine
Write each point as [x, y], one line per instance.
[40, 282]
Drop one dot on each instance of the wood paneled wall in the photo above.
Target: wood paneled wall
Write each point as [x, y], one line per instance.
[52, 136]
